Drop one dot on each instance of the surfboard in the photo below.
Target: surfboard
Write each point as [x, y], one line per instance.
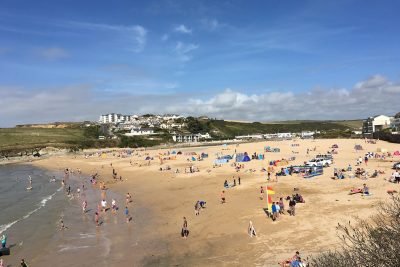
[29, 188]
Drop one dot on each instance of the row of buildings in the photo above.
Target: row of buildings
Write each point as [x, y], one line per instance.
[136, 123]
[379, 123]
[304, 135]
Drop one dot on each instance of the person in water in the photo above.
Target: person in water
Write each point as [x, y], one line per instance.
[3, 241]
[23, 263]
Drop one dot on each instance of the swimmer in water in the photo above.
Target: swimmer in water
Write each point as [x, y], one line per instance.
[62, 225]
[84, 206]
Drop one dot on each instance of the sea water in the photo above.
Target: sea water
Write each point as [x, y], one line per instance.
[28, 217]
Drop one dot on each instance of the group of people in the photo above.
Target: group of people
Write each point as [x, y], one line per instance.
[227, 185]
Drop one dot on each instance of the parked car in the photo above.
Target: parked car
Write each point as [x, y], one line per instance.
[319, 162]
[325, 156]
[396, 166]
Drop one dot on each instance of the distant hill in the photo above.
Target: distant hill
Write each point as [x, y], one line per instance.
[230, 129]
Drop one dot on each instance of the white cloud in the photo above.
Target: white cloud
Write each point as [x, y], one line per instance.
[210, 24]
[183, 29]
[183, 50]
[135, 35]
[83, 102]
[53, 53]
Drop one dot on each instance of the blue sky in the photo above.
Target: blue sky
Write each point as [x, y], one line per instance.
[72, 60]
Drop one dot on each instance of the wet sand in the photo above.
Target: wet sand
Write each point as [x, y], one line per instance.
[218, 236]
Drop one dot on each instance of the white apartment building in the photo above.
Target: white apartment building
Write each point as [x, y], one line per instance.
[139, 132]
[376, 123]
[115, 118]
[186, 138]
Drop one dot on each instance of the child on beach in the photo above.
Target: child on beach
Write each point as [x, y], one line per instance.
[261, 193]
[222, 197]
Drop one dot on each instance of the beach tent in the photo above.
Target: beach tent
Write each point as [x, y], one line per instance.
[179, 153]
[193, 159]
[358, 147]
[369, 154]
[173, 152]
[204, 155]
[239, 157]
[148, 158]
[228, 157]
[246, 157]
[242, 157]
[221, 161]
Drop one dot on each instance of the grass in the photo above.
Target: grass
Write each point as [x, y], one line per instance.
[13, 138]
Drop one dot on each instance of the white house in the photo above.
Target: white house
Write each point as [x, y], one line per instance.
[249, 136]
[307, 134]
[186, 138]
[376, 123]
[141, 131]
[284, 135]
[114, 118]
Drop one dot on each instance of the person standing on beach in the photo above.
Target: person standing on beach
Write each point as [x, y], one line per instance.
[273, 211]
[223, 197]
[239, 180]
[1, 263]
[185, 231]
[292, 206]
[128, 218]
[281, 206]
[128, 198]
[197, 208]
[261, 193]
[114, 206]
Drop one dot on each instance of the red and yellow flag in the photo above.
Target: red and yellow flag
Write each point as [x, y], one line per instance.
[270, 191]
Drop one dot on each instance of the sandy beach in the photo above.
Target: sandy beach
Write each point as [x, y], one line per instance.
[218, 236]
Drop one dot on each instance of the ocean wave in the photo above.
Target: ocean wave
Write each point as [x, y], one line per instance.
[42, 204]
[72, 248]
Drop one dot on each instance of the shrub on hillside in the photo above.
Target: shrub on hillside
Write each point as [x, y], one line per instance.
[371, 242]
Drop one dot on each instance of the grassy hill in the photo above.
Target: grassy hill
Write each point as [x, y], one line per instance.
[229, 129]
[14, 138]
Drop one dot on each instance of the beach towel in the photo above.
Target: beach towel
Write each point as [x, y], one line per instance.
[355, 191]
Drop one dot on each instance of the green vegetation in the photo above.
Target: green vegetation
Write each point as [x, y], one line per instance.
[136, 141]
[372, 242]
[23, 137]
[230, 129]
